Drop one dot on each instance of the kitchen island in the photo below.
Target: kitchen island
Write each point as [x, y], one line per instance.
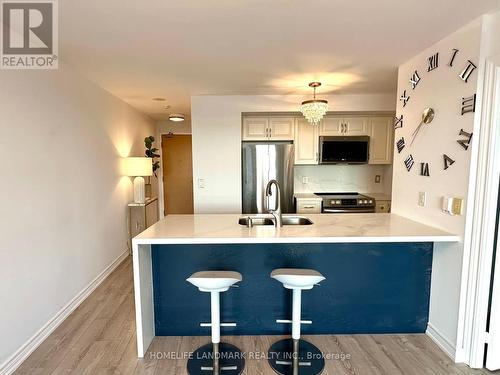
[377, 268]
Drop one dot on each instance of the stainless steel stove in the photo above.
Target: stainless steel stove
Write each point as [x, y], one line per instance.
[334, 203]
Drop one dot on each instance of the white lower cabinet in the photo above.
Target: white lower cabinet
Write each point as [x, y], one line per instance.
[381, 140]
[308, 206]
[306, 142]
[383, 206]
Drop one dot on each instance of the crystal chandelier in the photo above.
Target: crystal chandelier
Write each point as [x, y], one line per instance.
[314, 110]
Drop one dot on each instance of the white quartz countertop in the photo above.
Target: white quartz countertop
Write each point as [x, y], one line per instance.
[327, 228]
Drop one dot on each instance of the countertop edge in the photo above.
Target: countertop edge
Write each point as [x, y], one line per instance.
[237, 240]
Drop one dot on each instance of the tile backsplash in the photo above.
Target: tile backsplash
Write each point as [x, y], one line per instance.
[342, 178]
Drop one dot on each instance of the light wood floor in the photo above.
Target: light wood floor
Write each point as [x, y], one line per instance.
[99, 338]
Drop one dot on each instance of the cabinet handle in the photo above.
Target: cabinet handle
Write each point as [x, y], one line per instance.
[308, 207]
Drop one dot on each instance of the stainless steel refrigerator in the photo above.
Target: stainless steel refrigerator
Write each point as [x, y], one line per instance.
[261, 162]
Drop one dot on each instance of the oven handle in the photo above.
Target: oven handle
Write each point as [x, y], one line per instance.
[353, 210]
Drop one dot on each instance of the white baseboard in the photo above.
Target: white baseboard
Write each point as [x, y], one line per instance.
[13, 362]
[442, 341]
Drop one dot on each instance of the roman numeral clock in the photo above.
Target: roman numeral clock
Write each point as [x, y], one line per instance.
[465, 107]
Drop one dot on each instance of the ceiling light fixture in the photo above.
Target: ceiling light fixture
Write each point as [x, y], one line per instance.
[176, 117]
[314, 110]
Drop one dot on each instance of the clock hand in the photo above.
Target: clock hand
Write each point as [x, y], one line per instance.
[427, 117]
[414, 135]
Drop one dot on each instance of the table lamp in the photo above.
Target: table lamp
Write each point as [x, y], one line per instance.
[139, 167]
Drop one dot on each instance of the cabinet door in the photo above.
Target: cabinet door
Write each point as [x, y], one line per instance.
[151, 213]
[381, 135]
[331, 125]
[306, 142]
[255, 128]
[281, 128]
[356, 125]
[383, 207]
[137, 219]
[305, 206]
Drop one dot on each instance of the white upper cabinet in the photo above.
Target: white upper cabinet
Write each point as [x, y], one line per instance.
[331, 126]
[261, 128]
[356, 125]
[255, 128]
[344, 126]
[381, 140]
[281, 128]
[306, 136]
[306, 142]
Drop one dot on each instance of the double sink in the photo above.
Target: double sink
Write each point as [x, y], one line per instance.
[253, 220]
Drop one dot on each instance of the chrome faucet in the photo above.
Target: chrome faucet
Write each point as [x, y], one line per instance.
[276, 212]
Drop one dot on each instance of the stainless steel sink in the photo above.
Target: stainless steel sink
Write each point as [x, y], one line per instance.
[251, 221]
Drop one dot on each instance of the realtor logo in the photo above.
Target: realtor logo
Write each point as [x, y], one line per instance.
[29, 34]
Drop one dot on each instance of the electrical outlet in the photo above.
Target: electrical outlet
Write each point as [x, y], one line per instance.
[422, 198]
[305, 180]
[377, 179]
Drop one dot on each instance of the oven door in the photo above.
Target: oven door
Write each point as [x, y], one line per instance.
[350, 210]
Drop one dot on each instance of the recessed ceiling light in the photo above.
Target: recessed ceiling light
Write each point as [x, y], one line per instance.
[159, 99]
[176, 117]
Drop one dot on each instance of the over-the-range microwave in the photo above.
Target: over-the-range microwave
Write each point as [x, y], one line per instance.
[344, 150]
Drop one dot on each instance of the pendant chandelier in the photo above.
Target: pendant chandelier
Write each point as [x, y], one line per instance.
[314, 110]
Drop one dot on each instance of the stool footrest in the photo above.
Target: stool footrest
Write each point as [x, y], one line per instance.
[288, 363]
[223, 368]
[288, 321]
[222, 324]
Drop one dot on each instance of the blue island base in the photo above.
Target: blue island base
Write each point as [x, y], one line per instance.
[369, 288]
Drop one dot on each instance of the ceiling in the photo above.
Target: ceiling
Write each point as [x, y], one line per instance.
[138, 50]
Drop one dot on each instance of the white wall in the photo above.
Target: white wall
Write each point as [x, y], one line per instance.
[166, 126]
[216, 128]
[342, 178]
[63, 200]
[442, 90]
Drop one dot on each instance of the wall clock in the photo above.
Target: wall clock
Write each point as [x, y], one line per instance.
[466, 105]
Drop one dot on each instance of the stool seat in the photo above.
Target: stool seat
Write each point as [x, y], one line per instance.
[214, 281]
[297, 278]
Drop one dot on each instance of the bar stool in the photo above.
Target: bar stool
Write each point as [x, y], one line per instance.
[296, 356]
[217, 357]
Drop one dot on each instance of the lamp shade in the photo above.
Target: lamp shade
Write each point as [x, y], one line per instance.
[138, 166]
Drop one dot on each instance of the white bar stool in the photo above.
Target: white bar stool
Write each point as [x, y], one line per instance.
[296, 356]
[216, 357]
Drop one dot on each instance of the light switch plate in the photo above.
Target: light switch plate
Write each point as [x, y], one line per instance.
[305, 180]
[457, 206]
[201, 183]
[377, 179]
[422, 198]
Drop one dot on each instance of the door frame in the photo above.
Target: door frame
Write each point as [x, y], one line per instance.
[161, 191]
[480, 226]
